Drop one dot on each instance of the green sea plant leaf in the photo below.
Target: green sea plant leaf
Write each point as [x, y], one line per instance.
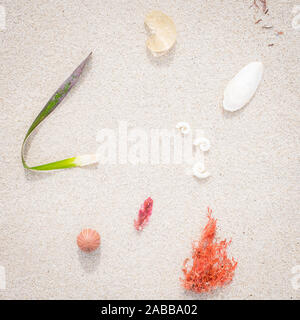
[50, 106]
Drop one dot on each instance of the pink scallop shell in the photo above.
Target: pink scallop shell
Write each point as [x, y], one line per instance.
[88, 240]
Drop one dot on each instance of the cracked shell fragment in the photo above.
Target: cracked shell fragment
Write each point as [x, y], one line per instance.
[243, 86]
[163, 33]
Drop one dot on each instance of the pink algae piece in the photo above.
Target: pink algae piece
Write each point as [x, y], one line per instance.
[144, 214]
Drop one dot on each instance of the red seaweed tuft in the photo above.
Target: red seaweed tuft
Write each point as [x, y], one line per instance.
[144, 214]
[211, 267]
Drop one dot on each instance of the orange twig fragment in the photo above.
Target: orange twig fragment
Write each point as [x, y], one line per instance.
[211, 267]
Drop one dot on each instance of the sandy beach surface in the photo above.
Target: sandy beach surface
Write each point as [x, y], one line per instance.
[254, 156]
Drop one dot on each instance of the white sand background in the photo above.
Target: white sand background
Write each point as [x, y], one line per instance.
[254, 187]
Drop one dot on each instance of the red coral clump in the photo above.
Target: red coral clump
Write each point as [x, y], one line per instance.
[211, 267]
[144, 214]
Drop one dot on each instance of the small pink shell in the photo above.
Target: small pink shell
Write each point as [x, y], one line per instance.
[88, 240]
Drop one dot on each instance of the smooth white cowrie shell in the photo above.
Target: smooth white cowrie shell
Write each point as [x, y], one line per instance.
[243, 86]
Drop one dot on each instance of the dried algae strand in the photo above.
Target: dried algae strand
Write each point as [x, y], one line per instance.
[55, 100]
[144, 214]
[211, 267]
[263, 4]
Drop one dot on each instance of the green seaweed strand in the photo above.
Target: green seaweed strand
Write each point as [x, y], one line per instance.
[54, 101]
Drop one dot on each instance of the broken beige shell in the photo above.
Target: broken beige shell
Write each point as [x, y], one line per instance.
[88, 240]
[163, 32]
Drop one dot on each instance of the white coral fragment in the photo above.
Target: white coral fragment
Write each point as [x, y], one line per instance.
[199, 171]
[184, 127]
[203, 143]
[242, 87]
[163, 32]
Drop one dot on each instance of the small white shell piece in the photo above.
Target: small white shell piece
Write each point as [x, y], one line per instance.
[242, 87]
[199, 171]
[184, 127]
[203, 143]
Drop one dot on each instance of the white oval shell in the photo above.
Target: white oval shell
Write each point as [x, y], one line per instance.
[242, 87]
